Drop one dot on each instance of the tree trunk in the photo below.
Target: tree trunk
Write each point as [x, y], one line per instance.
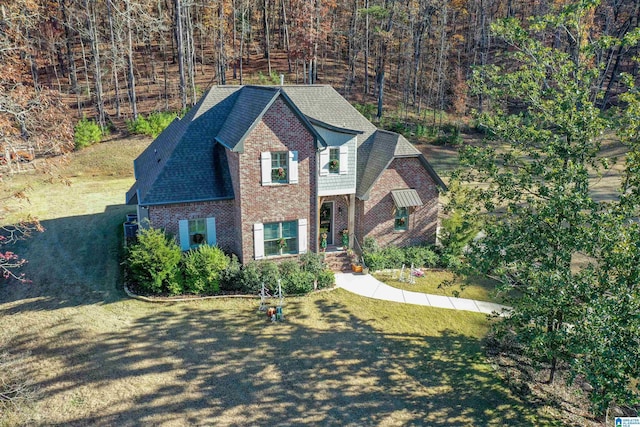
[190, 53]
[222, 66]
[380, 84]
[131, 80]
[267, 43]
[93, 39]
[242, 46]
[366, 49]
[180, 49]
[287, 45]
[73, 76]
[114, 58]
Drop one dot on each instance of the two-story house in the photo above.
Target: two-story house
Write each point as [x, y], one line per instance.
[263, 172]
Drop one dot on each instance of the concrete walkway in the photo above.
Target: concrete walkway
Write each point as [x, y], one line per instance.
[368, 286]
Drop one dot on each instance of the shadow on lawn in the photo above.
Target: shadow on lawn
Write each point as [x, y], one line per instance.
[195, 363]
[73, 262]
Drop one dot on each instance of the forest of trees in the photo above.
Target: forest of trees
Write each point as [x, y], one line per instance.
[111, 59]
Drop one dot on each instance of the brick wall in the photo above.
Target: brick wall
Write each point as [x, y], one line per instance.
[279, 130]
[375, 217]
[168, 216]
[234, 170]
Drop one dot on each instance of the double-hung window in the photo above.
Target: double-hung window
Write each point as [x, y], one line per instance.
[334, 160]
[279, 167]
[196, 232]
[281, 238]
[401, 221]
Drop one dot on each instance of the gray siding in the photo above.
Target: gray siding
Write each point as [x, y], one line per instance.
[331, 183]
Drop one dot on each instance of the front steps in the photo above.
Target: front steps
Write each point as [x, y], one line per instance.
[337, 261]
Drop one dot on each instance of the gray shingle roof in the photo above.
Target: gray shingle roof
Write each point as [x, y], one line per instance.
[250, 105]
[187, 162]
[385, 147]
[178, 166]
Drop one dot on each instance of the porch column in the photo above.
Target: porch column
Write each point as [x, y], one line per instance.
[316, 238]
[352, 218]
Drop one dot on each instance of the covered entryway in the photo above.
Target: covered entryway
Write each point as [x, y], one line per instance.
[327, 221]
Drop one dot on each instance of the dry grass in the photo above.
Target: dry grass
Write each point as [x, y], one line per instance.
[440, 282]
[101, 359]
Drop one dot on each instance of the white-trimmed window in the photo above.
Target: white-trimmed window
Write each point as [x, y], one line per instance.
[334, 160]
[279, 167]
[280, 238]
[196, 232]
[401, 220]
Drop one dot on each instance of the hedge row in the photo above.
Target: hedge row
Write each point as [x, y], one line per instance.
[156, 265]
[428, 256]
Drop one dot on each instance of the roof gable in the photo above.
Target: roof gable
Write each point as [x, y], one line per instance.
[187, 161]
[384, 148]
[178, 165]
[249, 107]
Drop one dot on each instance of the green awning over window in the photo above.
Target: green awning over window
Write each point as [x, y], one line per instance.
[406, 198]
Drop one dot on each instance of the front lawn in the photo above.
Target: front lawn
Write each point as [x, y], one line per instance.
[442, 282]
[99, 358]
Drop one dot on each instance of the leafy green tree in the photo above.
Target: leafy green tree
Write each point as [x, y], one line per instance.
[153, 261]
[462, 222]
[535, 189]
[539, 212]
[608, 326]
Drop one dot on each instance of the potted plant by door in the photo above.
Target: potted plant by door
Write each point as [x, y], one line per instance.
[345, 238]
[323, 242]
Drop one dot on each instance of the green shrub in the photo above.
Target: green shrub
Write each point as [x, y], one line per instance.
[153, 261]
[298, 283]
[374, 260]
[152, 125]
[398, 127]
[269, 274]
[85, 133]
[176, 287]
[250, 278]
[421, 256]
[451, 261]
[326, 279]
[370, 245]
[288, 268]
[312, 263]
[394, 257]
[457, 231]
[230, 278]
[203, 268]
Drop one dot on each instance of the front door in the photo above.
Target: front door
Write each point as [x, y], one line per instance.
[326, 221]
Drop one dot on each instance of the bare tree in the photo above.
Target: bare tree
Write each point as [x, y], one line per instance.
[180, 49]
[92, 32]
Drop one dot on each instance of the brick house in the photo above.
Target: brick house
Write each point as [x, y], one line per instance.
[263, 172]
